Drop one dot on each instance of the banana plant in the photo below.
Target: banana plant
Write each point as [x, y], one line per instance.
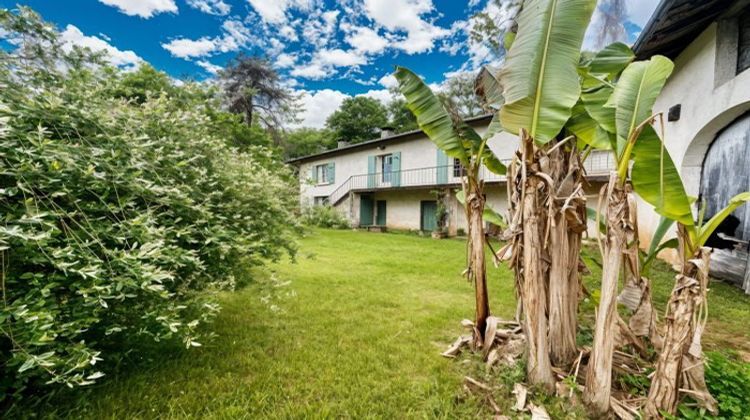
[680, 364]
[541, 87]
[458, 140]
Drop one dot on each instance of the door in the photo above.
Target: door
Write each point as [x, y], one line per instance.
[381, 213]
[428, 216]
[386, 168]
[365, 210]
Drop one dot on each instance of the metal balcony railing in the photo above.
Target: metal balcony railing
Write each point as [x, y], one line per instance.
[598, 163]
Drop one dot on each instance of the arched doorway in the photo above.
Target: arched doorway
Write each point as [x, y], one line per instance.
[726, 173]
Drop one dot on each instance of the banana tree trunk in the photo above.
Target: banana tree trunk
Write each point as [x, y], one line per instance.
[569, 223]
[530, 221]
[477, 266]
[681, 357]
[599, 368]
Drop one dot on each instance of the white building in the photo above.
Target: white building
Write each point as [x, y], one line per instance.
[392, 181]
[707, 100]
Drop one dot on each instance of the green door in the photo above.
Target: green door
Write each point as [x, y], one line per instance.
[428, 216]
[366, 212]
[381, 213]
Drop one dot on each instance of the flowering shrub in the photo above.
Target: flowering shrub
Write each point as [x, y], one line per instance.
[119, 216]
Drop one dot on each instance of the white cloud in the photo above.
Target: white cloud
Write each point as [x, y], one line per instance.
[365, 39]
[388, 81]
[188, 48]
[285, 60]
[73, 36]
[318, 106]
[212, 7]
[208, 66]
[383, 95]
[142, 8]
[640, 11]
[312, 70]
[340, 58]
[274, 11]
[235, 35]
[320, 27]
[405, 15]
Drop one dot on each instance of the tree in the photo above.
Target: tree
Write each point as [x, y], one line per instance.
[458, 92]
[145, 81]
[446, 128]
[357, 119]
[541, 87]
[253, 88]
[611, 28]
[306, 141]
[400, 117]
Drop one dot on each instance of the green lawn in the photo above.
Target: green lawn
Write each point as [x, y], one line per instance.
[356, 332]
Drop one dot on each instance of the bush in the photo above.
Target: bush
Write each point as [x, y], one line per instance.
[119, 216]
[728, 380]
[324, 217]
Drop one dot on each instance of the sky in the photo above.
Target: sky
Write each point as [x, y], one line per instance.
[326, 51]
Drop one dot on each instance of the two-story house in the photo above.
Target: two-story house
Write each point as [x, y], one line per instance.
[706, 102]
[392, 181]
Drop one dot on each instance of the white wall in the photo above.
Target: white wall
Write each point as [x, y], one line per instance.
[708, 102]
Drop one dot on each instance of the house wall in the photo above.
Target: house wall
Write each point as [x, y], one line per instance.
[711, 96]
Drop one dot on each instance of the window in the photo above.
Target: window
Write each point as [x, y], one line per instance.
[386, 167]
[458, 168]
[321, 200]
[323, 174]
[743, 41]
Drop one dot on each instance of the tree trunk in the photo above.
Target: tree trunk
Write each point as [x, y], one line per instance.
[477, 267]
[599, 368]
[682, 338]
[569, 223]
[529, 227]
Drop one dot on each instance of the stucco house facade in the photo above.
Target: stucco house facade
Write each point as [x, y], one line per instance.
[706, 103]
[393, 181]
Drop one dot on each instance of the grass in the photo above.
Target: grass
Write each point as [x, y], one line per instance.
[356, 332]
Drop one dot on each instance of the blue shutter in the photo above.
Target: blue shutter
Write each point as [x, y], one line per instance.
[331, 173]
[396, 169]
[371, 177]
[441, 176]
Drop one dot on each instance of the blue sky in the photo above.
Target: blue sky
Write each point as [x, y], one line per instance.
[326, 50]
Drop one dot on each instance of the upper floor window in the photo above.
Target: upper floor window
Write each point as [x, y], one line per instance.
[743, 42]
[458, 168]
[324, 174]
[386, 167]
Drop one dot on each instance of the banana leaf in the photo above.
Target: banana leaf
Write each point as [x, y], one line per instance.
[612, 59]
[539, 77]
[432, 117]
[709, 228]
[634, 96]
[588, 130]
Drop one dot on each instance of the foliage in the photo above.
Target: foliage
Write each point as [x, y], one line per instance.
[539, 76]
[458, 93]
[306, 141]
[119, 216]
[144, 82]
[357, 119]
[324, 217]
[399, 116]
[728, 379]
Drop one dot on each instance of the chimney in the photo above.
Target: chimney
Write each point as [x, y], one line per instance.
[386, 132]
[341, 143]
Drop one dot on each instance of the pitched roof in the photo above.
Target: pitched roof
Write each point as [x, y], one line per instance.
[365, 144]
[676, 23]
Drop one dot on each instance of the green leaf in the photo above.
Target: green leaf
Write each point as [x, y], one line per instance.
[488, 157]
[508, 40]
[594, 103]
[588, 130]
[540, 77]
[656, 245]
[634, 97]
[489, 89]
[591, 214]
[656, 179]
[432, 117]
[612, 59]
[709, 228]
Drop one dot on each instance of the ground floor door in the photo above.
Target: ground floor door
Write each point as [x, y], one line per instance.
[428, 212]
[366, 210]
[381, 213]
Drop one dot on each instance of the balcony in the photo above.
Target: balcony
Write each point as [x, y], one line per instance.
[598, 164]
